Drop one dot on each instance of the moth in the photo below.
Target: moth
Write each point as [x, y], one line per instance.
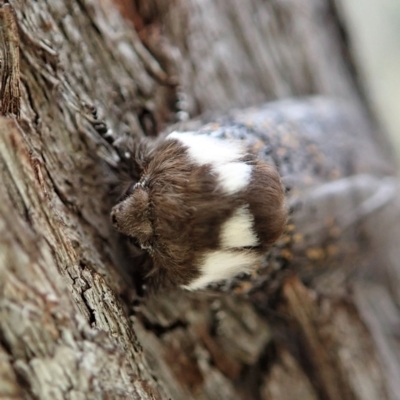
[200, 209]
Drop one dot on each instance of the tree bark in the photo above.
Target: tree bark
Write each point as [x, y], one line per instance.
[68, 329]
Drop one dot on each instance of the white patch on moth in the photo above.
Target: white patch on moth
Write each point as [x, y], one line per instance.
[204, 149]
[234, 176]
[238, 231]
[221, 265]
[221, 154]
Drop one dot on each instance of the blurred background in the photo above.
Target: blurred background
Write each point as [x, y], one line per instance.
[375, 31]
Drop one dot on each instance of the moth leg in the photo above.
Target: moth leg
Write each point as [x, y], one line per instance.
[134, 154]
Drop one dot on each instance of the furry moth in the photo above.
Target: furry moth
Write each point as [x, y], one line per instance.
[203, 209]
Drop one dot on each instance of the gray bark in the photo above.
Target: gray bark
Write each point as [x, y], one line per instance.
[67, 328]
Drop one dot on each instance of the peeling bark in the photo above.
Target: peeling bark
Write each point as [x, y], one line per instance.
[68, 329]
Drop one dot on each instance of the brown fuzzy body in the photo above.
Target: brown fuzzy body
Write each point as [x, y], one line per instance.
[180, 209]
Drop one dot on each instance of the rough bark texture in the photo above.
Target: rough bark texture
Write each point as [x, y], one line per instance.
[67, 328]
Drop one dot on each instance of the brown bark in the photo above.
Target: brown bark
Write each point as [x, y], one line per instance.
[67, 330]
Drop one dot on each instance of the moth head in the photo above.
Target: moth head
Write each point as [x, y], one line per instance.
[132, 216]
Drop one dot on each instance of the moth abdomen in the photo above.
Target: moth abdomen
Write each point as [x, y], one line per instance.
[267, 203]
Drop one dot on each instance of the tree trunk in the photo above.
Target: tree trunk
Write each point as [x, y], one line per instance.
[301, 329]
